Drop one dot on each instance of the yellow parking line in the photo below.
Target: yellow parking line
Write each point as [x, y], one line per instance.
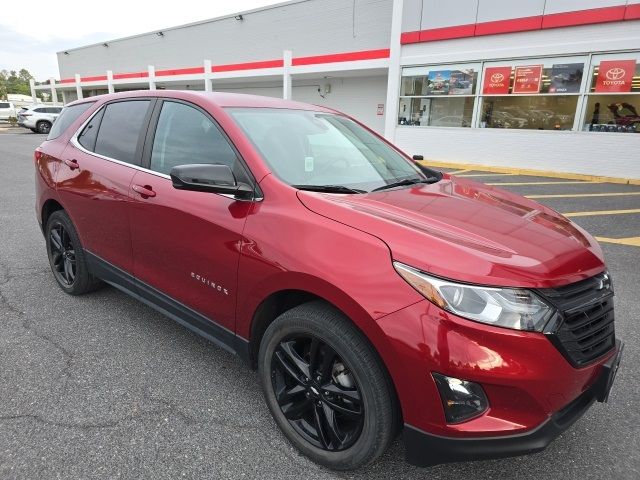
[460, 171]
[601, 212]
[630, 241]
[578, 195]
[489, 175]
[514, 184]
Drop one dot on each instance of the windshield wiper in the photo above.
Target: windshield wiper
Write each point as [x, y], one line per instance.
[407, 181]
[329, 188]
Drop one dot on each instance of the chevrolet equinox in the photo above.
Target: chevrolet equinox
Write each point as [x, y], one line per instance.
[373, 294]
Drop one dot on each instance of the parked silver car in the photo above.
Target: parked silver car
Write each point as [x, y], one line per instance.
[38, 118]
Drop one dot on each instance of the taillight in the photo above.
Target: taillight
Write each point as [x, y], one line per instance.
[26, 114]
[37, 155]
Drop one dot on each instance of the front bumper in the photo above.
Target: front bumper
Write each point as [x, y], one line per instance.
[425, 449]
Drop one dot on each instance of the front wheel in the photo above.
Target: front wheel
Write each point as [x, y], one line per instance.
[327, 388]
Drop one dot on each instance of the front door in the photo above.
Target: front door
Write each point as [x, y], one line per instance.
[186, 244]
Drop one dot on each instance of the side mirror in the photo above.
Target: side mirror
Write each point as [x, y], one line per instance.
[418, 157]
[209, 178]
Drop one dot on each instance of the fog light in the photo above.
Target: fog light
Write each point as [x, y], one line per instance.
[462, 400]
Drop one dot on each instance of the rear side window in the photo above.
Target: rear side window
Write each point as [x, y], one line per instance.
[120, 128]
[185, 135]
[89, 134]
[67, 117]
[4, 105]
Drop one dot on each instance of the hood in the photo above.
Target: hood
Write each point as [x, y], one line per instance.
[466, 231]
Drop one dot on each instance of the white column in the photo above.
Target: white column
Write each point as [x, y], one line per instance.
[207, 76]
[64, 97]
[152, 77]
[110, 88]
[287, 55]
[54, 93]
[32, 85]
[78, 87]
[393, 81]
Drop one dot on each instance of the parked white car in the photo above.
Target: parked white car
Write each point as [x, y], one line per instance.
[7, 110]
[38, 118]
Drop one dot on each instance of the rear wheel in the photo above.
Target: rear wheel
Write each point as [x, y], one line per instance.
[66, 256]
[326, 387]
[43, 127]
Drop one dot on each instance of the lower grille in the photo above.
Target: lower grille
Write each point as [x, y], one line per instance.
[585, 328]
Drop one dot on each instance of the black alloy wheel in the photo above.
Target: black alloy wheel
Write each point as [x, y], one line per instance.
[67, 257]
[63, 255]
[316, 392]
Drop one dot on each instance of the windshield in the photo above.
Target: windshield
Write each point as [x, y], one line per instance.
[314, 149]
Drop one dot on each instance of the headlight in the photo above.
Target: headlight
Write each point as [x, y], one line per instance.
[504, 307]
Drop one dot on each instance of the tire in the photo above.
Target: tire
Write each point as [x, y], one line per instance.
[43, 126]
[353, 382]
[66, 256]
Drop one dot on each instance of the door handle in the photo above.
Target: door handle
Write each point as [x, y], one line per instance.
[72, 164]
[145, 191]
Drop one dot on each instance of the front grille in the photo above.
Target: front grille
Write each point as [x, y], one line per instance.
[585, 327]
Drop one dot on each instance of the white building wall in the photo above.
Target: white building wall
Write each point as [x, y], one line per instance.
[358, 97]
[609, 154]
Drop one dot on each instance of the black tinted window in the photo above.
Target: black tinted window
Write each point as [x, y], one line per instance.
[4, 105]
[87, 137]
[66, 118]
[120, 130]
[185, 135]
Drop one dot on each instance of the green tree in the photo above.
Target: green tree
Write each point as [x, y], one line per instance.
[15, 82]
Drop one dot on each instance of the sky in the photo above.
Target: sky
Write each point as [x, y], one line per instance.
[30, 35]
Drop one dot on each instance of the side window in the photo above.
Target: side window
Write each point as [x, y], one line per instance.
[120, 130]
[39, 110]
[89, 134]
[185, 135]
[67, 117]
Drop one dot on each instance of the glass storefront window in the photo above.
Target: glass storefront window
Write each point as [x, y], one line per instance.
[529, 112]
[438, 96]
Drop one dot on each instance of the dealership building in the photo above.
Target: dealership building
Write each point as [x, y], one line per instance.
[550, 85]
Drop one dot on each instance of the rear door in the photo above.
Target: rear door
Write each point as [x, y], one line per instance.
[95, 176]
[186, 244]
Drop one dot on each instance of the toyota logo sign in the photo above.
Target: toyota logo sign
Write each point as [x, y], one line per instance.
[497, 77]
[615, 73]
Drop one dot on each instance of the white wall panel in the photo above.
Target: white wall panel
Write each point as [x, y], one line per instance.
[491, 10]
[436, 13]
[312, 27]
[573, 152]
[411, 15]
[558, 6]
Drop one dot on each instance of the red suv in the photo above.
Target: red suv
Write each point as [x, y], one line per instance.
[373, 294]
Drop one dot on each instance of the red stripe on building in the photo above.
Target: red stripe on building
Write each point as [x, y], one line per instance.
[632, 12]
[522, 24]
[180, 71]
[409, 37]
[342, 57]
[248, 66]
[554, 20]
[119, 76]
[68, 80]
[94, 79]
[584, 17]
[447, 33]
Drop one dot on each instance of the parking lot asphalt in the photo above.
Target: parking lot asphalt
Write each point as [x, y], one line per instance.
[101, 386]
